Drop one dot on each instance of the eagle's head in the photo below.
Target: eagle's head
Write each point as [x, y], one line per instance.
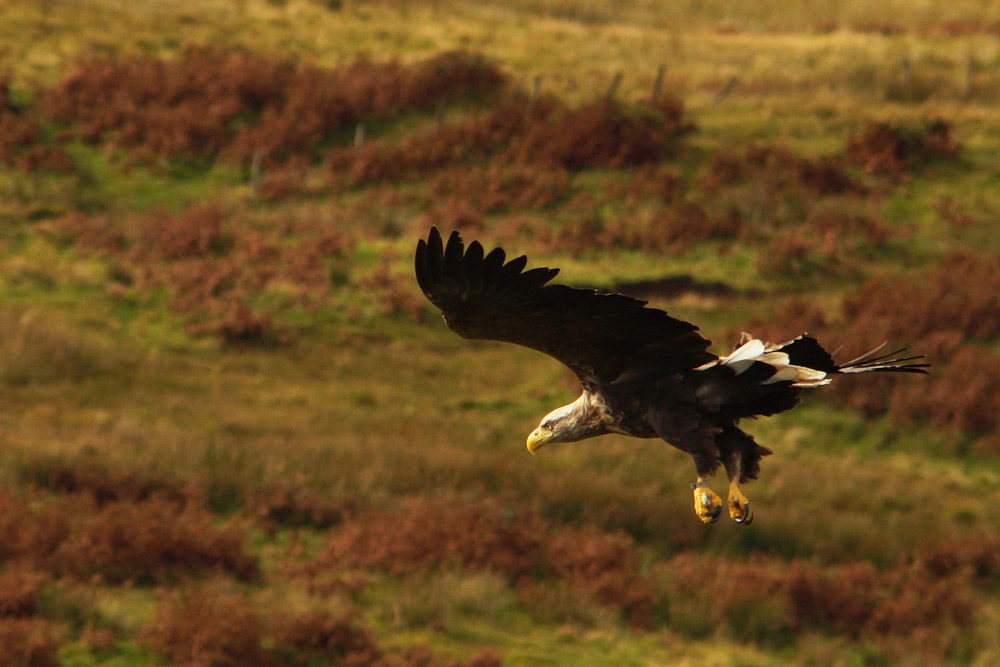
[576, 421]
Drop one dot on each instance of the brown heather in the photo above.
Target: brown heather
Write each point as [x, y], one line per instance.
[671, 229]
[104, 484]
[209, 627]
[21, 142]
[606, 133]
[923, 597]
[496, 188]
[20, 591]
[484, 135]
[855, 599]
[208, 102]
[212, 266]
[949, 312]
[958, 294]
[206, 628]
[30, 534]
[436, 534]
[892, 150]
[319, 635]
[198, 232]
[285, 504]
[153, 540]
[29, 641]
[779, 167]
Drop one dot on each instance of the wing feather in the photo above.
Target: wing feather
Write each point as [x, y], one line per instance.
[601, 337]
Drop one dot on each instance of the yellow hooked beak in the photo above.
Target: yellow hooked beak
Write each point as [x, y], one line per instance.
[538, 437]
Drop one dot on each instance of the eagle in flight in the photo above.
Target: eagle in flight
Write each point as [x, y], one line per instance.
[644, 373]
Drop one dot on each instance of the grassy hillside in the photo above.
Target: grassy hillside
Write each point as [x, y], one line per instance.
[235, 433]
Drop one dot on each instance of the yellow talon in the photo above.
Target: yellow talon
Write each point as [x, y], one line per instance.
[707, 505]
[739, 506]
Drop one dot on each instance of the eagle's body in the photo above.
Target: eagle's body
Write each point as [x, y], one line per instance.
[644, 373]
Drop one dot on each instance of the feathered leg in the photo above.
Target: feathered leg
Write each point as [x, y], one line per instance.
[741, 456]
[685, 428]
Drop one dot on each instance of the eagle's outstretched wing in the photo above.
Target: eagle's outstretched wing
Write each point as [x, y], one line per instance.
[601, 337]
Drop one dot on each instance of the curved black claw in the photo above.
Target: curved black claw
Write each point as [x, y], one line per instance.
[714, 514]
[747, 516]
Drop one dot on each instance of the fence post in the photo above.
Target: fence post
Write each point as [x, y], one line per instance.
[970, 75]
[536, 85]
[615, 82]
[657, 84]
[359, 138]
[255, 169]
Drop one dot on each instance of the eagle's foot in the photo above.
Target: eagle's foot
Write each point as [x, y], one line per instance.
[707, 505]
[739, 506]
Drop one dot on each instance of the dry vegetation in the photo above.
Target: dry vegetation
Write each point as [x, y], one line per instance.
[236, 434]
[210, 103]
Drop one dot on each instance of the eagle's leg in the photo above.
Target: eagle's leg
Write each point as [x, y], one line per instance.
[707, 505]
[740, 455]
[739, 506]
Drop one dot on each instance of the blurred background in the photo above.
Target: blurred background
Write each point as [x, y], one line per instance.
[235, 433]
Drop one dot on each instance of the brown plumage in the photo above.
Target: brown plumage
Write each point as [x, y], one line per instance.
[644, 373]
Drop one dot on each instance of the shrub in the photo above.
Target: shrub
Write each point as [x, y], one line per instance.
[777, 167]
[435, 534]
[546, 134]
[603, 134]
[196, 232]
[958, 294]
[212, 627]
[949, 312]
[341, 639]
[20, 590]
[210, 102]
[430, 534]
[604, 566]
[21, 142]
[105, 484]
[771, 600]
[482, 136]
[963, 394]
[214, 266]
[30, 533]
[152, 541]
[892, 150]
[977, 558]
[671, 229]
[501, 187]
[831, 238]
[208, 628]
[295, 505]
[29, 641]
[239, 323]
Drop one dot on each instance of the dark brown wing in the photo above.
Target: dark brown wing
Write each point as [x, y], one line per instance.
[601, 337]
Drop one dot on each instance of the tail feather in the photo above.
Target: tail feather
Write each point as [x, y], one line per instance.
[803, 362]
[806, 351]
[886, 363]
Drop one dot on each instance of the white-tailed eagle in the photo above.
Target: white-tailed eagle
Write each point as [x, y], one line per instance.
[644, 373]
